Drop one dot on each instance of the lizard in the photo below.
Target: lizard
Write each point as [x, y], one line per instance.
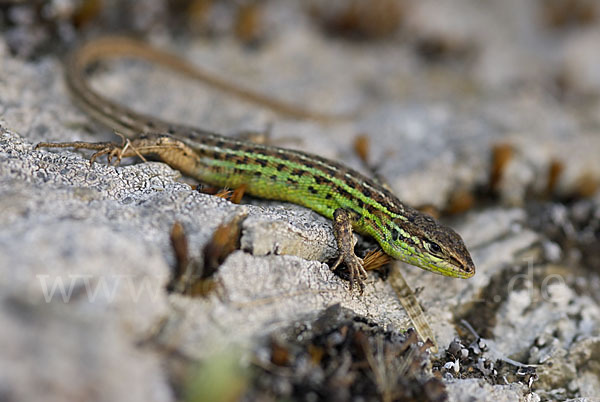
[354, 202]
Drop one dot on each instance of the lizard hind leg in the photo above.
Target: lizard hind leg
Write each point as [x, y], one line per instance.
[145, 145]
[110, 149]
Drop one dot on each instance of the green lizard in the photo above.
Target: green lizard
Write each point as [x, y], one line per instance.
[351, 200]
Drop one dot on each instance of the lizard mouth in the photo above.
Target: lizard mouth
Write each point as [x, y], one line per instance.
[466, 269]
[469, 270]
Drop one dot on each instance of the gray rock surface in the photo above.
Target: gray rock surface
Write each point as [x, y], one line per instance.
[85, 253]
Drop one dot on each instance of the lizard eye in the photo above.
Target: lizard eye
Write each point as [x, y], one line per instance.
[395, 234]
[435, 248]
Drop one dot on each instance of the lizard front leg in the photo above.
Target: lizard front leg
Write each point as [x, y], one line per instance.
[342, 230]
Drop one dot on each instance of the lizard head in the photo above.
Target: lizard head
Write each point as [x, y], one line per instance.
[421, 241]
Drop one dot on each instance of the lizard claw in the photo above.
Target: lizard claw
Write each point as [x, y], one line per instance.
[111, 151]
[355, 267]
